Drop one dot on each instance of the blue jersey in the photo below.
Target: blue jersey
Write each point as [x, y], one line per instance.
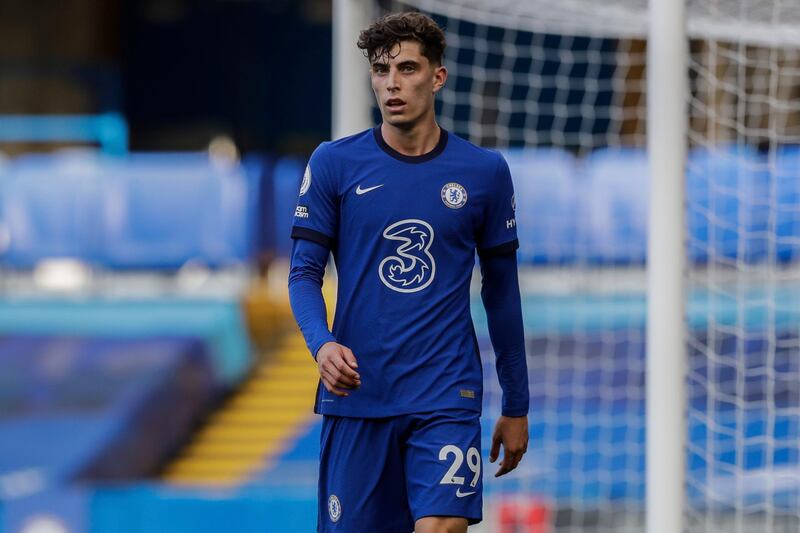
[404, 231]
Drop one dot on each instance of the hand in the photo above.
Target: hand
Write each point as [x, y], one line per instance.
[512, 433]
[337, 368]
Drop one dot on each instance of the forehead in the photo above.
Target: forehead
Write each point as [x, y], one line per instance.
[403, 51]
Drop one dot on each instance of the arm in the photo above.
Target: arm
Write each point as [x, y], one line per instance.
[305, 293]
[501, 298]
[336, 362]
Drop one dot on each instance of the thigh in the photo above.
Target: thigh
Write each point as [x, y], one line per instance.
[361, 477]
[444, 466]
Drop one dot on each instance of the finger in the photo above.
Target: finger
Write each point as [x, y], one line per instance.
[343, 367]
[495, 451]
[506, 465]
[337, 380]
[334, 390]
[511, 460]
[349, 358]
[345, 385]
[331, 385]
[501, 471]
[331, 369]
[515, 463]
[344, 379]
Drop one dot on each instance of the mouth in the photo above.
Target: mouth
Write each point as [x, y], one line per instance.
[395, 104]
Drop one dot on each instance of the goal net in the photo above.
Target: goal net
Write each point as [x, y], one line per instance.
[560, 88]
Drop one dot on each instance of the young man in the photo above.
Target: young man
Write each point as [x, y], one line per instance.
[403, 207]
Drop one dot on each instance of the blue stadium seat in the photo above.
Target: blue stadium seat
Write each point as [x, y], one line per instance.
[51, 206]
[153, 211]
[104, 401]
[287, 177]
[545, 190]
[727, 196]
[787, 205]
[613, 206]
[259, 170]
[162, 210]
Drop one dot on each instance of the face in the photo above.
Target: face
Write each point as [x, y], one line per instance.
[405, 83]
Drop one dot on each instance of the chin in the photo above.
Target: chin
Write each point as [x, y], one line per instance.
[399, 121]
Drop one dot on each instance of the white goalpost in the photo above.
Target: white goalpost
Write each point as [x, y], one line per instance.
[351, 95]
[655, 152]
[666, 352]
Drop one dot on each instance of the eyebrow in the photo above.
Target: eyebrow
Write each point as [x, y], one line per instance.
[406, 63]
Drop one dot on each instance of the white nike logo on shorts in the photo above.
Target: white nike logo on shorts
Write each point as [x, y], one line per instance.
[360, 191]
[460, 494]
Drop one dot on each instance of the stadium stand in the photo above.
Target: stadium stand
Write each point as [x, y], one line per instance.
[104, 398]
[161, 211]
[787, 192]
[141, 211]
[50, 208]
[217, 321]
[612, 198]
[259, 169]
[122, 368]
[286, 180]
[242, 438]
[727, 193]
[545, 189]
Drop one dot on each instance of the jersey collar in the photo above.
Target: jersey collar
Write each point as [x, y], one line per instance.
[438, 149]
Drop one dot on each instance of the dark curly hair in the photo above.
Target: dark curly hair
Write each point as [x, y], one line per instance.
[383, 34]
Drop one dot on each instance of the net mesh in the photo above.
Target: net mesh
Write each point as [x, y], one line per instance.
[560, 88]
[743, 207]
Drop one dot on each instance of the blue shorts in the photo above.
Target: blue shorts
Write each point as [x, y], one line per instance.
[383, 474]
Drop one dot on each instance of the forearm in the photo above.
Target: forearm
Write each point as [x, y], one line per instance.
[501, 298]
[305, 293]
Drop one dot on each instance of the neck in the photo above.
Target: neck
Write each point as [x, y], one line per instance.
[417, 140]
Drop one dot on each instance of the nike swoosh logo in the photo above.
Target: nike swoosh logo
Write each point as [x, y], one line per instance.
[460, 494]
[360, 191]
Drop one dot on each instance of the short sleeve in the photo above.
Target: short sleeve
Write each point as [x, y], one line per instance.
[317, 213]
[497, 234]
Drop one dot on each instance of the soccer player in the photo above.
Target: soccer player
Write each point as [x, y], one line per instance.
[403, 208]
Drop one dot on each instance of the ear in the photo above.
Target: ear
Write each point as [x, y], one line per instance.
[439, 78]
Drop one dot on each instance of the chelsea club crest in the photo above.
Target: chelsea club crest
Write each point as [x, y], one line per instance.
[334, 508]
[304, 186]
[454, 195]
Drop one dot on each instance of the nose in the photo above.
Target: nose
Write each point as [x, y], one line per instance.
[391, 81]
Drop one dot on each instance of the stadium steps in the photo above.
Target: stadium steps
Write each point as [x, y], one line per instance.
[254, 425]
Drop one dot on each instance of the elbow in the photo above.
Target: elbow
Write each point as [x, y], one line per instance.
[300, 274]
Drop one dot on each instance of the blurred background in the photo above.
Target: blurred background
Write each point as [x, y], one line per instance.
[152, 378]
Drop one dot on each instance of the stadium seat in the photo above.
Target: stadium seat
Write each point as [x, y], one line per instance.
[106, 400]
[162, 211]
[545, 190]
[787, 208]
[144, 211]
[50, 208]
[288, 173]
[727, 196]
[613, 206]
[259, 171]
